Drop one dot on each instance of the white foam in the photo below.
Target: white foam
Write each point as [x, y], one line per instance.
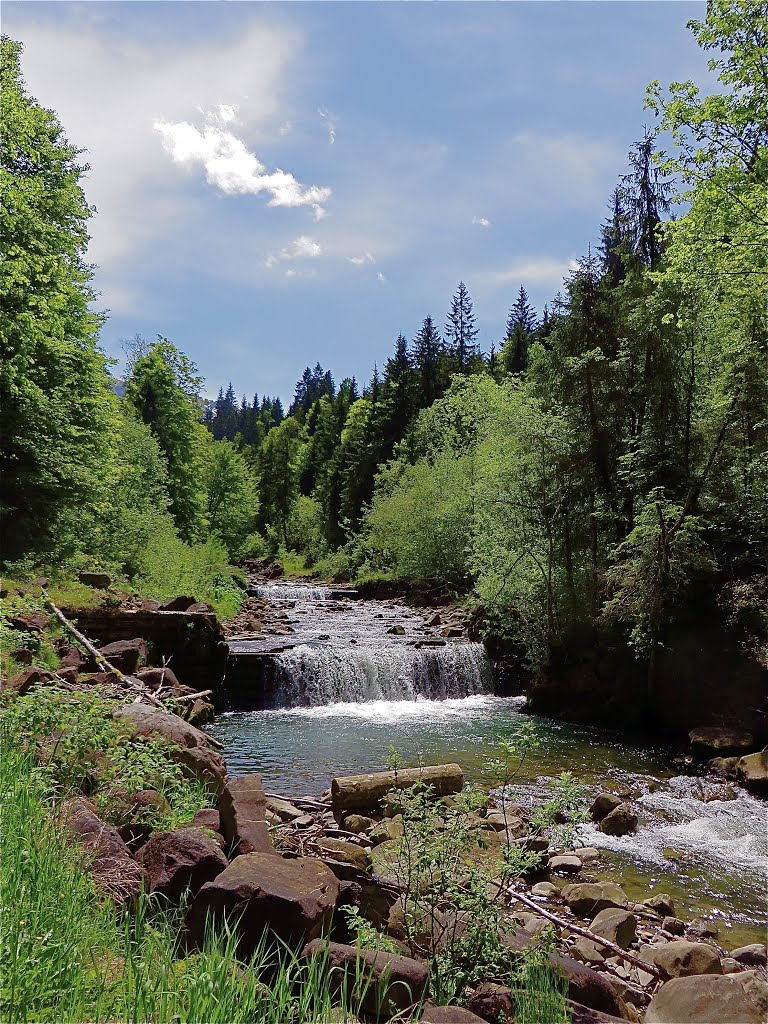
[421, 709]
[291, 592]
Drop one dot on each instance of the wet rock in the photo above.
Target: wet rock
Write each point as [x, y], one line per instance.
[662, 904]
[619, 822]
[182, 860]
[186, 744]
[602, 805]
[493, 1003]
[673, 925]
[242, 809]
[752, 772]
[398, 630]
[711, 999]
[384, 982]
[452, 631]
[566, 862]
[365, 792]
[753, 955]
[126, 655]
[716, 742]
[114, 872]
[681, 958]
[432, 1014]
[434, 619]
[97, 580]
[617, 926]
[293, 898]
[588, 898]
[545, 889]
[359, 823]
[587, 987]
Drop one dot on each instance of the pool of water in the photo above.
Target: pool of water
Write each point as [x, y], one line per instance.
[710, 856]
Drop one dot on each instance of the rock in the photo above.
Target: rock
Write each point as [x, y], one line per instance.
[126, 655]
[385, 983]
[492, 1002]
[154, 678]
[71, 657]
[724, 766]
[293, 898]
[587, 987]
[23, 681]
[186, 744]
[451, 631]
[715, 742]
[182, 860]
[242, 809]
[386, 829]
[200, 712]
[375, 903]
[398, 630]
[434, 619]
[586, 1015]
[22, 656]
[199, 607]
[508, 823]
[545, 889]
[588, 952]
[347, 853]
[752, 772]
[432, 1014]
[209, 818]
[753, 955]
[97, 580]
[619, 822]
[711, 999]
[365, 792]
[115, 873]
[617, 926]
[673, 925]
[588, 898]
[30, 622]
[681, 958]
[662, 904]
[587, 854]
[603, 804]
[699, 929]
[731, 966]
[566, 862]
[284, 809]
[178, 604]
[358, 823]
[125, 809]
[68, 675]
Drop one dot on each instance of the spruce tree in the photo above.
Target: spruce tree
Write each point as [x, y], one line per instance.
[461, 328]
[426, 351]
[521, 323]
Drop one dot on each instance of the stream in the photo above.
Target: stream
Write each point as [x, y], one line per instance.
[355, 679]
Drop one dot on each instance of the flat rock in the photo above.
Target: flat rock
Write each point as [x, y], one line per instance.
[284, 809]
[347, 853]
[545, 889]
[180, 861]
[587, 854]
[242, 809]
[711, 999]
[587, 952]
[681, 958]
[294, 898]
[588, 898]
[565, 862]
[586, 1015]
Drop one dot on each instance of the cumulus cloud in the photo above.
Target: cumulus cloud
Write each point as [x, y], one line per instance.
[482, 221]
[302, 247]
[359, 261]
[231, 167]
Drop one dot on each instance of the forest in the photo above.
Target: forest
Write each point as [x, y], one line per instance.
[604, 469]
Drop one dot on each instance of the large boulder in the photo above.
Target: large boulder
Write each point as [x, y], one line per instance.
[293, 898]
[587, 987]
[711, 741]
[618, 926]
[243, 813]
[114, 872]
[603, 804]
[126, 655]
[752, 772]
[711, 999]
[383, 983]
[432, 1014]
[97, 580]
[753, 955]
[186, 744]
[182, 860]
[365, 792]
[155, 678]
[588, 898]
[619, 822]
[681, 958]
[586, 1015]
[491, 1002]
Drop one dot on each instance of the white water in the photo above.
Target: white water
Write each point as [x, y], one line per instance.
[320, 676]
[290, 592]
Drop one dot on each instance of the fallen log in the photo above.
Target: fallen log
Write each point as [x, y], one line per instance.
[365, 792]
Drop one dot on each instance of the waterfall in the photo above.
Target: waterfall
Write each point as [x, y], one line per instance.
[289, 592]
[309, 676]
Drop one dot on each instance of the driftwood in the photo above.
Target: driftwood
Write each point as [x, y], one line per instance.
[192, 696]
[299, 801]
[585, 933]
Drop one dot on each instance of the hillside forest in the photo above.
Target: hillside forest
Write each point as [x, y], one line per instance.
[599, 476]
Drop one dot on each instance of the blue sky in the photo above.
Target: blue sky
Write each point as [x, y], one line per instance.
[278, 184]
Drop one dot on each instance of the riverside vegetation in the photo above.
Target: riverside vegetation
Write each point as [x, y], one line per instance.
[597, 484]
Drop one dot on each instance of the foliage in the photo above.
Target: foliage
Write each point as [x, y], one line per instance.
[232, 497]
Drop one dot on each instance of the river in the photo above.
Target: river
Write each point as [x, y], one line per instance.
[358, 679]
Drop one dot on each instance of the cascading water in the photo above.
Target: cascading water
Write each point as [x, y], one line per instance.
[289, 592]
[311, 676]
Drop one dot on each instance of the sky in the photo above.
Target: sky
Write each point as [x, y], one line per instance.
[278, 184]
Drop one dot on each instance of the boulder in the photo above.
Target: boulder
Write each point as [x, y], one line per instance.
[711, 742]
[588, 898]
[681, 958]
[432, 1014]
[586, 1015]
[617, 926]
[23, 681]
[70, 657]
[293, 898]
[588, 952]
[358, 823]
[587, 987]
[114, 872]
[492, 1002]
[178, 604]
[284, 809]
[124, 808]
[209, 817]
[154, 678]
[603, 804]
[700, 929]
[384, 983]
[673, 925]
[753, 955]
[30, 622]
[347, 853]
[508, 823]
[97, 580]
[365, 792]
[565, 862]
[126, 655]
[200, 712]
[752, 772]
[711, 999]
[586, 854]
[662, 904]
[242, 809]
[619, 822]
[724, 766]
[386, 829]
[187, 745]
[545, 889]
[182, 860]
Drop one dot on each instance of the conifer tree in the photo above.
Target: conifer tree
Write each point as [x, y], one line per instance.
[461, 328]
[521, 323]
[426, 351]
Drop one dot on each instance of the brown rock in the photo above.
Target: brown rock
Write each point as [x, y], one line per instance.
[182, 860]
[208, 818]
[30, 622]
[753, 955]
[200, 712]
[619, 822]
[97, 580]
[347, 853]
[711, 999]
[603, 804]
[154, 678]
[110, 864]
[242, 808]
[432, 1014]
[178, 604]
[716, 742]
[384, 983]
[585, 1015]
[493, 1003]
[293, 898]
[587, 987]
[565, 862]
[126, 655]
[752, 772]
[358, 823]
[588, 898]
[673, 925]
[284, 809]
[617, 926]
[681, 958]
[23, 681]
[22, 656]
[588, 952]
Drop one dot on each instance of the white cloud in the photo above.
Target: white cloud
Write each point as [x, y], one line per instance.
[302, 247]
[330, 122]
[359, 261]
[232, 168]
[541, 271]
[286, 128]
[381, 277]
[482, 221]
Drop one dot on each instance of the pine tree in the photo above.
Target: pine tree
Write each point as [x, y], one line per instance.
[646, 198]
[426, 351]
[521, 323]
[461, 328]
